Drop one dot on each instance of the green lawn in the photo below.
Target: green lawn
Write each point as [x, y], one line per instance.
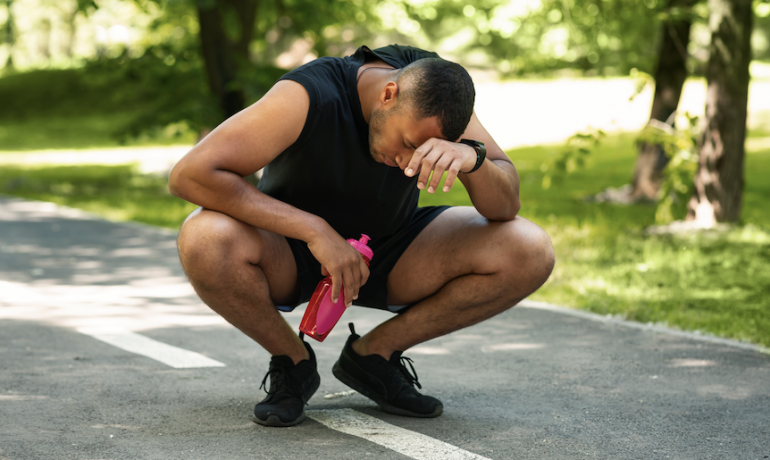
[713, 282]
[118, 193]
[101, 105]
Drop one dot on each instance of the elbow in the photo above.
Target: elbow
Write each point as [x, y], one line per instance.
[503, 214]
[513, 210]
[176, 181]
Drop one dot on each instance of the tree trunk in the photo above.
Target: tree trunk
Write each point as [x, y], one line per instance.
[226, 28]
[9, 35]
[670, 75]
[71, 22]
[719, 179]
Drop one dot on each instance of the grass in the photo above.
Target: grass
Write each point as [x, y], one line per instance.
[119, 193]
[113, 102]
[713, 282]
[104, 104]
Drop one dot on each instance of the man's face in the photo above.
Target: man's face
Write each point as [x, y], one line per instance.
[394, 134]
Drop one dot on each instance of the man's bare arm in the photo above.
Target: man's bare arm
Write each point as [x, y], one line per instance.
[211, 176]
[493, 188]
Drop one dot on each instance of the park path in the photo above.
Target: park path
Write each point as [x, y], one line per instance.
[108, 353]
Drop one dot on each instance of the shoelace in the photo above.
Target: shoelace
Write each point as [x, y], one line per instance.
[278, 373]
[411, 379]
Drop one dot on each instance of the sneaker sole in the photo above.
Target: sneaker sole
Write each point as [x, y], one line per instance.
[273, 420]
[355, 384]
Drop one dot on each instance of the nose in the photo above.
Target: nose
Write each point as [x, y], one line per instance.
[401, 161]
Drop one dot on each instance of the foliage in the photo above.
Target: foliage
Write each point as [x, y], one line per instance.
[680, 148]
[107, 101]
[761, 39]
[572, 156]
[606, 37]
[172, 92]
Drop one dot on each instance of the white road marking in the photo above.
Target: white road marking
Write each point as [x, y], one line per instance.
[167, 354]
[341, 394]
[413, 445]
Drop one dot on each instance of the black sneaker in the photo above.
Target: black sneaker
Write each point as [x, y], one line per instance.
[386, 382]
[291, 386]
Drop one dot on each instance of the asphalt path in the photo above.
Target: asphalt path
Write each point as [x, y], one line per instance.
[532, 383]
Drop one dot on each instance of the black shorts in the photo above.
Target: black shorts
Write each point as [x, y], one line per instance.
[386, 250]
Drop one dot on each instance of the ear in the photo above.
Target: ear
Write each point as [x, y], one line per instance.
[389, 94]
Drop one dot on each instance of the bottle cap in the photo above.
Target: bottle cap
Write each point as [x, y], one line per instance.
[361, 246]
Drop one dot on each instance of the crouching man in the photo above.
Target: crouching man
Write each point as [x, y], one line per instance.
[347, 145]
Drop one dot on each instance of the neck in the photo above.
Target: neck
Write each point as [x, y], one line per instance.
[370, 86]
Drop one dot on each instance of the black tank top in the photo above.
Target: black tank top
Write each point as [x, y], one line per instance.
[329, 171]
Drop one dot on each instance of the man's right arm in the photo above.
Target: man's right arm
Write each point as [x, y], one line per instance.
[211, 176]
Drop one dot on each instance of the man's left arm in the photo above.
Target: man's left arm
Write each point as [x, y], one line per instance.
[493, 188]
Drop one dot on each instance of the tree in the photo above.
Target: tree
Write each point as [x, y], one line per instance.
[718, 184]
[231, 31]
[670, 74]
[226, 29]
[9, 33]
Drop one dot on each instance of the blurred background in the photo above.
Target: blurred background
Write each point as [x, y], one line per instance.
[601, 104]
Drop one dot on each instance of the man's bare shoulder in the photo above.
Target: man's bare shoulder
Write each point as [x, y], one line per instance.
[255, 136]
[280, 114]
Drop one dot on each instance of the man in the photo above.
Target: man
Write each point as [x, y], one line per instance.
[347, 145]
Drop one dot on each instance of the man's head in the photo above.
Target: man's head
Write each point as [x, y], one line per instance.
[428, 98]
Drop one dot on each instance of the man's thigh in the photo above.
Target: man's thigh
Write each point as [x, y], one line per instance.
[213, 245]
[458, 242]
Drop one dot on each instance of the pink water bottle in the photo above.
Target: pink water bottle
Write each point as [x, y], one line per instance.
[322, 314]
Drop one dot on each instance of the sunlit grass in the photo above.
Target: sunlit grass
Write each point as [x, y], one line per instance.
[118, 193]
[714, 282]
[86, 107]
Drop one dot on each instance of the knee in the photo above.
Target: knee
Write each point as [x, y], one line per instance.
[207, 241]
[530, 255]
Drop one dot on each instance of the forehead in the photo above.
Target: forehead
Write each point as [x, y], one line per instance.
[417, 130]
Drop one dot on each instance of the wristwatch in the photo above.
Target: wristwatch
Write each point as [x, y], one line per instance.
[481, 152]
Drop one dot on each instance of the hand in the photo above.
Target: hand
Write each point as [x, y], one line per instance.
[438, 156]
[340, 260]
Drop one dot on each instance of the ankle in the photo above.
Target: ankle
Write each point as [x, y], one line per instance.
[362, 347]
[359, 348]
[300, 355]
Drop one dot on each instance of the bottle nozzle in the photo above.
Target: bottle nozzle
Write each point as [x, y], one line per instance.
[362, 247]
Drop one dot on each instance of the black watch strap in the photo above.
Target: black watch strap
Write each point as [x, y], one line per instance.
[481, 153]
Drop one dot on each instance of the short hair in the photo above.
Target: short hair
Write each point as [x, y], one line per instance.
[439, 88]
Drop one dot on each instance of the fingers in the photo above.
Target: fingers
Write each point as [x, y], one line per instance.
[349, 280]
[336, 286]
[454, 170]
[352, 282]
[342, 263]
[434, 158]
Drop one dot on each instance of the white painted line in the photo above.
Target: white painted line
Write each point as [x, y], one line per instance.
[645, 327]
[341, 394]
[413, 445]
[145, 346]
